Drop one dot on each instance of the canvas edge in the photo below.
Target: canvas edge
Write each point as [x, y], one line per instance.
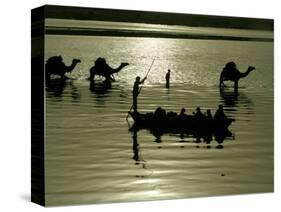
[37, 106]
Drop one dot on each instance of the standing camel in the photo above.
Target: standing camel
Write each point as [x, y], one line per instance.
[101, 68]
[230, 72]
[55, 65]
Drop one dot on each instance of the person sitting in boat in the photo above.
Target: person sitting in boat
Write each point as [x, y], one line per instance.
[136, 91]
[160, 114]
[171, 115]
[182, 116]
[199, 115]
[209, 115]
[220, 116]
[182, 113]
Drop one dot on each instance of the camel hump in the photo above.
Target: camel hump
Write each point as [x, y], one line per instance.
[100, 61]
[55, 60]
[230, 65]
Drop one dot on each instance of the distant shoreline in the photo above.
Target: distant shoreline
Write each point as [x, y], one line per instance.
[153, 17]
[150, 34]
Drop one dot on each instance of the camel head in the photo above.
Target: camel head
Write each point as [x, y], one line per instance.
[251, 68]
[124, 64]
[75, 61]
[72, 66]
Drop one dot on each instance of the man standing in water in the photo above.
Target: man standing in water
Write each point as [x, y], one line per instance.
[167, 77]
[136, 91]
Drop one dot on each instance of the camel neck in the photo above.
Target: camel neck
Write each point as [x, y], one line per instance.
[71, 67]
[246, 73]
[117, 69]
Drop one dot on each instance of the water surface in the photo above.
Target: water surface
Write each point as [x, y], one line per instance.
[91, 155]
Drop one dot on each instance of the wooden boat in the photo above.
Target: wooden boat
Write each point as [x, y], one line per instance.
[173, 123]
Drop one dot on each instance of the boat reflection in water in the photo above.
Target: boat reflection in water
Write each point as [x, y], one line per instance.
[200, 131]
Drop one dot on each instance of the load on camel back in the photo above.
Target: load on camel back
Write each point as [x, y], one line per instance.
[101, 68]
[56, 66]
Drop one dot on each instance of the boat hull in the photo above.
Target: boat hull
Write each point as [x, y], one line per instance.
[177, 124]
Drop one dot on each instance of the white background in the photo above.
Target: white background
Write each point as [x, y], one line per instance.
[15, 103]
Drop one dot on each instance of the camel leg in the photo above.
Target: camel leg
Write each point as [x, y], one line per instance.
[63, 77]
[92, 86]
[92, 77]
[221, 80]
[236, 86]
[47, 78]
[112, 78]
[107, 79]
[107, 83]
[221, 84]
[92, 74]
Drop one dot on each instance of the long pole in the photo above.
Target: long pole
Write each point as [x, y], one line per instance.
[141, 87]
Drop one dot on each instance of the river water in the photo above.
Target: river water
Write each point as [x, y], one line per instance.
[91, 157]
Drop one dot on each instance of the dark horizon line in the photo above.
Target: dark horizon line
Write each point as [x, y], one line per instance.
[150, 34]
[150, 17]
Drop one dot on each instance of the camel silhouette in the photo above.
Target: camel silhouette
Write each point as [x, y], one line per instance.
[230, 72]
[101, 68]
[55, 65]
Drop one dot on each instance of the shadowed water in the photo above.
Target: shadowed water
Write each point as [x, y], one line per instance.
[92, 157]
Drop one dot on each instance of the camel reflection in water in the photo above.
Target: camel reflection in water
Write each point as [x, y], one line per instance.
[56, 88]
[232, 100]
[100, 87]
[56, 66]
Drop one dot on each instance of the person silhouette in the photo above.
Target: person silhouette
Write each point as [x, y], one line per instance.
[182, 116]
[209, 126]
[208, 137]
[220, 116]
[209, 115]
[182, 113]
[136, 91]
[199, 115]
[167, 77]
